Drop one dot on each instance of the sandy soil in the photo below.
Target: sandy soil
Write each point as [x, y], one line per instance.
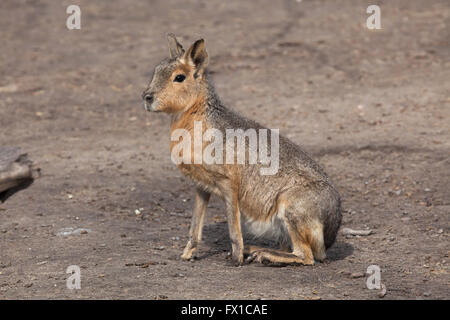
[373, 107]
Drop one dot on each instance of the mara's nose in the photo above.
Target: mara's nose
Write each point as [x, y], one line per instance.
[148, 97]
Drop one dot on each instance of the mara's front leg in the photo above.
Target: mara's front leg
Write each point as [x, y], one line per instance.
[234, 228]
[198, 215]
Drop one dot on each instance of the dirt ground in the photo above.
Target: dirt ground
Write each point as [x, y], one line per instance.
[371, 106]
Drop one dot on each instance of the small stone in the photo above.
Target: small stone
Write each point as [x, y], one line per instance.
[357, 275]
[9, 88]
[427, 294]
[72, 231]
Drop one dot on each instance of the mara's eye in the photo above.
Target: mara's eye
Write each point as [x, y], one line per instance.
[179, 78]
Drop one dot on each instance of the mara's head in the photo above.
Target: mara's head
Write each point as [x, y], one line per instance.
[179, 81]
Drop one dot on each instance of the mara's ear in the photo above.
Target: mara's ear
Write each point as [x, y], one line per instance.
[175, 48]
[197, 57]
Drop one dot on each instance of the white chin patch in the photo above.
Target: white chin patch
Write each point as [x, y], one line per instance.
[152, 107]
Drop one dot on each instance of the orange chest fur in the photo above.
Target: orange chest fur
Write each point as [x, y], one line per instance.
[189, 128]
[187, 142]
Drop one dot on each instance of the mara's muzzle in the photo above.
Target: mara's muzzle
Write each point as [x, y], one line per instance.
[149, 101]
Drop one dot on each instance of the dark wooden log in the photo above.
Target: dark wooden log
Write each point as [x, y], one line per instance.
[15, 168]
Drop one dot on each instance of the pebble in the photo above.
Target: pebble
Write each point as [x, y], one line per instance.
[9, 88]
[357, 275]
[71, 231]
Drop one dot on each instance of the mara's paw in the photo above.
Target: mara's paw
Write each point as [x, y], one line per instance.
[236, 260]
[258, 257]
[186, 257]
[187, 253]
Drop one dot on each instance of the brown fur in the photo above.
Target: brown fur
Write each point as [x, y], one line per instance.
[298, 205]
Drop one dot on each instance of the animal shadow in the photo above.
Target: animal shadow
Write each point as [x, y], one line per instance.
[8, 193]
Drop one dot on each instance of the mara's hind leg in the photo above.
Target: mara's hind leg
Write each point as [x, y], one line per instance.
[306, 233]
[306, 241]
[284, 241]
[301, 253]
[275, 256]
[249, 249]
